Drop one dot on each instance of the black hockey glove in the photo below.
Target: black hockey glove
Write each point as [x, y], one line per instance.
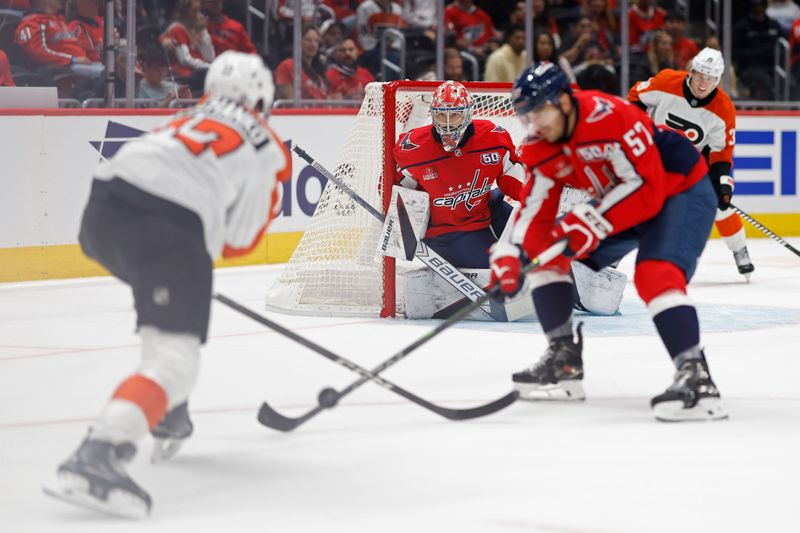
[724, 191]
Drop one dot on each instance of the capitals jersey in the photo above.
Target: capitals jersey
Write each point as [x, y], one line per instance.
[459, 182]
[90, 33]
[615, 154]
[218, 160]
[47, 40]
[709, 123]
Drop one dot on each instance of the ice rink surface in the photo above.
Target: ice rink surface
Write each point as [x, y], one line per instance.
[378, 463]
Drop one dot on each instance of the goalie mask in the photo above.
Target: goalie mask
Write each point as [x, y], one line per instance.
[451, 112]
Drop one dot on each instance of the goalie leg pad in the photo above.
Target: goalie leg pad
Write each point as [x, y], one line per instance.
[599, 292]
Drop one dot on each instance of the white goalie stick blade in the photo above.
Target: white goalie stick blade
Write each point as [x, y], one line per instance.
[706, 409]
[75, 489]
[563, 391]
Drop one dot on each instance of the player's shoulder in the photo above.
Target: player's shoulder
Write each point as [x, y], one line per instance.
[722, 105]
[488, 129]
[668, 80]
[413, 144]
[597, 106]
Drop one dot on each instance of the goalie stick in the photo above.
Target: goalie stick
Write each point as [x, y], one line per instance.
[764, 229]
[329, 397]
[271, 418]
[425, 253]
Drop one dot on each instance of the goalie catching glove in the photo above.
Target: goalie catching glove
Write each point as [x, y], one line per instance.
[506, 264]
[583, 228]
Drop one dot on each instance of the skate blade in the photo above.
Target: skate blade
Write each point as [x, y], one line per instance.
[165, 449]
[72, 488]
[563, 391]
[707, 409]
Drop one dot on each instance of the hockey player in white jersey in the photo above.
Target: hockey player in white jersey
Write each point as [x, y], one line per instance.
[206, 184]
[693, 102]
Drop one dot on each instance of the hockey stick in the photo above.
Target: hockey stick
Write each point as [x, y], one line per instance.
[425, 254]
[764, 229]
[329, 397]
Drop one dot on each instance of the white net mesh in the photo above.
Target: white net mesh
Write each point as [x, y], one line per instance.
[333, 271]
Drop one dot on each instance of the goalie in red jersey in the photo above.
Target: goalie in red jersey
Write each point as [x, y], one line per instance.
[648, 191]
[457, 161]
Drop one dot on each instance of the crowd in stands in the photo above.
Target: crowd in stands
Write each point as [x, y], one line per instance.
[345, 43]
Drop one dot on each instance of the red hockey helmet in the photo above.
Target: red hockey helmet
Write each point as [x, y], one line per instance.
[451, 112]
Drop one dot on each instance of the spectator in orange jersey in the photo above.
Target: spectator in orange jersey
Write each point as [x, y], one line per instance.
[6, 80]
[313, 83]
[347, 80]
[226, 33]
[188, 40]
[87, 26]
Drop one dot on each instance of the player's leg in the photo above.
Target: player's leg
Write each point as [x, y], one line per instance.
[730, 228]
[671, 244]
[464, 249]
[558, 374]
[170, 273]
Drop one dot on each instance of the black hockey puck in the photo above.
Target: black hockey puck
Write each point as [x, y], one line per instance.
[328, 398]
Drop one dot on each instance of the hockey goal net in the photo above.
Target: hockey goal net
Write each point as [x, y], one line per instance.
[333, 271]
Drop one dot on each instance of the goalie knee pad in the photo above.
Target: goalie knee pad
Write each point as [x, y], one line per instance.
[599, 292]
[172, 360]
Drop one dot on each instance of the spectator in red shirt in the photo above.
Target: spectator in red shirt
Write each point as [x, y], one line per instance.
[226, 33]
[46, 39]
[313, 83]
[87, 26]
[644, 19]
[683, 47]
[188, 41]
[604, 23]
[472, 26]
[6, 80]
[18, 5]
[347, 80]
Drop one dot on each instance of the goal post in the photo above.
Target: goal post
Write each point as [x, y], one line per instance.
[333, 271]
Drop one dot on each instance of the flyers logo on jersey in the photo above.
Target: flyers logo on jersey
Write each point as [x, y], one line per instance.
[490, 158]
[694, 132]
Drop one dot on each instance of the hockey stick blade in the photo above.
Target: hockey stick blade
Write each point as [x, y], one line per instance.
[267, 416]
[366, 375]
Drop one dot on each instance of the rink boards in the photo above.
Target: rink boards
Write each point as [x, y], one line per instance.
[49, 157]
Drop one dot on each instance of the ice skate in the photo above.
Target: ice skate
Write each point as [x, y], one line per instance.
[692, 396]
[94, 477]
[558, 375]
[743, 263]
[171, 433]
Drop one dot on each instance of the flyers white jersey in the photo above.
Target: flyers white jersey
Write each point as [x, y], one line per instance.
[218, 160]
[710, 122]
